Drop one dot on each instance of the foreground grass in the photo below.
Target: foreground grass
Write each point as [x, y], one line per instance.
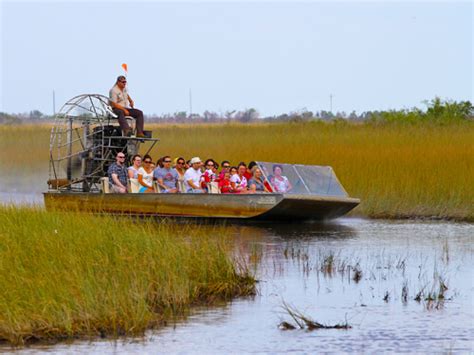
[71, 275]
[398, 170]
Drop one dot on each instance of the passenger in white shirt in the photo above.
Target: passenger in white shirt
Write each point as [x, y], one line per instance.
[192, 177]
[238, 181]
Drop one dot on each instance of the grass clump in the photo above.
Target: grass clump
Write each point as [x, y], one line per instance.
[305, 322]
[72, 275]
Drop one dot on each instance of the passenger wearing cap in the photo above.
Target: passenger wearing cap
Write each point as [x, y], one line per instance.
[123, 105]
[192, 177]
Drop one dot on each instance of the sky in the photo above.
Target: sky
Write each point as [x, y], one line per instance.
[274, 56]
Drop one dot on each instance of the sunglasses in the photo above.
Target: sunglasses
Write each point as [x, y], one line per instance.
[147, 161]
[180, 163]
[210, 164]
[123, 82]
[166, 161]
[120, 157]
[226, 166]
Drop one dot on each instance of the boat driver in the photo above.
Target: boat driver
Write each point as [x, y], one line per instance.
[123, 105]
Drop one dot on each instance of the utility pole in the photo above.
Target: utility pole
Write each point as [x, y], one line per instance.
[54, 103]
[190, 103]
[330, 102]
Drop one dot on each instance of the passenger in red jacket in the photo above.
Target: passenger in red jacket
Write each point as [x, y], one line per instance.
[224, 184]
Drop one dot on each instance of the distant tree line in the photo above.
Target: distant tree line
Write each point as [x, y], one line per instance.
[437, 110]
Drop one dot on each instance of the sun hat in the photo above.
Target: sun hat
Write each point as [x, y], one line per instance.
[195, 160]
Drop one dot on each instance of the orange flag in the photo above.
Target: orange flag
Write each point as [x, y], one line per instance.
[124, 66]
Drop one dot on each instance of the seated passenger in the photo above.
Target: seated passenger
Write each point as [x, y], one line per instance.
[118, 175]
[167, 177]
[133, 170]
[257, 182]
[192, 177]
[280, 182]
[233, 171]
[248, 174]
[210, 174]
[225, 186]
[159, 163]
[225, 167]
[145, 176]
[238, 181]
[179, 165]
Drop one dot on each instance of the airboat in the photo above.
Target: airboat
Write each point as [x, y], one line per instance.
[86, 137]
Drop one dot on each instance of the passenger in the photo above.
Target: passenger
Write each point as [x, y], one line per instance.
[133, 170]
[210, 174]
[192, 177]
[225, 167]
[238, 181]
[257, 182]
[280, 182]
[118, 175]
[167, 176]
[159, 163]
[248, 174]
[225, 185]
[145, 176]
[179, 165]
[123, 105]
[233, 171]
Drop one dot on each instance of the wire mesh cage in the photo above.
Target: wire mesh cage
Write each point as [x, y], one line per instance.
[84, 141]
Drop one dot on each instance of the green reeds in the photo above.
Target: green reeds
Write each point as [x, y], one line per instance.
[397, 170]
[73, 275]
[305, 322]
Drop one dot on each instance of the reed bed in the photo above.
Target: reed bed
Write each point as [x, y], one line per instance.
[414, 277]
[73, 275]
[398, 170]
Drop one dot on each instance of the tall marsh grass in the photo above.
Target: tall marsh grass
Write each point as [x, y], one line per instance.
[398, 170]
[72, 275]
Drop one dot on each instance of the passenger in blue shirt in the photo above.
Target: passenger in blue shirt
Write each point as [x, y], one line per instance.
[167, 177]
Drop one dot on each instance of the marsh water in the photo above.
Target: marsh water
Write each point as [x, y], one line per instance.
[400, 286]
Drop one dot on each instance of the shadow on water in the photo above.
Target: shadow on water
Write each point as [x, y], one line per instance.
[286, 231]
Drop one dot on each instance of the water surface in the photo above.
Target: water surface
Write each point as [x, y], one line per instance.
[391, 255]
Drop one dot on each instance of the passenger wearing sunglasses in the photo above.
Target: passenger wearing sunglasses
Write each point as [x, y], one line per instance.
[145, 176]
[210, 174]
[117, 173]
[180, 166]
[225, 168]
[123, 105]
[167, 177]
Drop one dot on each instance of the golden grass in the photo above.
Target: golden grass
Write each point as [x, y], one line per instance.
[422, 170]
[72, 275]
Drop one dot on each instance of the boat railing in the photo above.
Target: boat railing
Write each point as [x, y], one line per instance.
[303, 179]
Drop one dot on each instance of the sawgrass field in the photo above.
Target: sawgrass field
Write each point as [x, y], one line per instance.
[397, 170]
[64, 276]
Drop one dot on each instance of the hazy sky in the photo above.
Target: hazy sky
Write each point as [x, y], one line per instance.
[274, 56]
